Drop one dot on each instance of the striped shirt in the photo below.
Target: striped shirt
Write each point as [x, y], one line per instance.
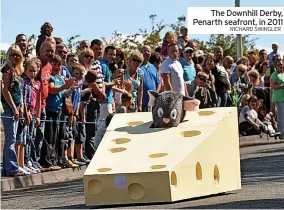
[100, 77]
[30, 92]
[99, 81]
[27, 87]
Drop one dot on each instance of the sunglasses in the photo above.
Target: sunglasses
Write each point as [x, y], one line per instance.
[252, 75]
[89, 56]
[136, 60]
[241, 71]
[15, 55]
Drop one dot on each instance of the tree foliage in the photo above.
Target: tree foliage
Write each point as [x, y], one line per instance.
[72, 43]
[177, 25]
[229, 44]
[154, 38]
[32, 43]
[2, 57]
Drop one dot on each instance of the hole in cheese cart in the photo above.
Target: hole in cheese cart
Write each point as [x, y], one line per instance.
[216, 175]
[94, 186]
[198, 172]
[135, 123]
[121, 140]
[117, 149]
[158, 155]
[174, 179]
[158, 166]
[104, 169]
[205, 113]
[136, 191]
[190, 133]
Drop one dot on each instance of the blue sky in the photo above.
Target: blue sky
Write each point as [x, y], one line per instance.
[93, 18]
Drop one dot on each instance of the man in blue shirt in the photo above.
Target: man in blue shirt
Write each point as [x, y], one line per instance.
[189, 72]
[106, 106]
[151, 78]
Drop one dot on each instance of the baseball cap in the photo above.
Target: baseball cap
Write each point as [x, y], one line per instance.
[188, 49]
[182, 28]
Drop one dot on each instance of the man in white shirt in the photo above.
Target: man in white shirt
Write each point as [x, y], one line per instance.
[172, 71]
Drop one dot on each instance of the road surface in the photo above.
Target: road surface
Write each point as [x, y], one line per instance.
[262, 187]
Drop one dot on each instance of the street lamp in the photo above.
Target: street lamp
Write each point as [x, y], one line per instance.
[239, 37]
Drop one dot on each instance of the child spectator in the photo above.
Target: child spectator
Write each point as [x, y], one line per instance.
[90, 89]
[126, 102]
[89, 86]
[78, 73]
[169, 38]
[126, 87]
[183, 39]
[31, 85]
[54, 104]
[12, 102]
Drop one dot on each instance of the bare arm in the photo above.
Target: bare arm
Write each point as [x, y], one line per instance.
[185, 90]
[82, 113]
[140, 94]
[274, 86]
[112, 83]
[167, 82]
[158, 88]
[56, 89]
[6, 93]
[77, 109]
[68, 92]
[120, 90]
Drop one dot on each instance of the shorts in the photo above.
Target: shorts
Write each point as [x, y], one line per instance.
[21, 136]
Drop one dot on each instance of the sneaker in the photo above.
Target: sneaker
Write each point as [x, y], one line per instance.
[86, 160]
[69, 164]
[78, 162]
[35, 169]
[36, 165]
[24, 171]
[31, 171]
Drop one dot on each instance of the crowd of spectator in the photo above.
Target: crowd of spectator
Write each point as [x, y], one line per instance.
[57, 105]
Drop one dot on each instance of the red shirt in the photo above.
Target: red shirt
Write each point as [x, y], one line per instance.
[45, 77]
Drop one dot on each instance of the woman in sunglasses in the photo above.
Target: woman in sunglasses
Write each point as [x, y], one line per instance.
[135, 75]
[12, 99]
[86, 58]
